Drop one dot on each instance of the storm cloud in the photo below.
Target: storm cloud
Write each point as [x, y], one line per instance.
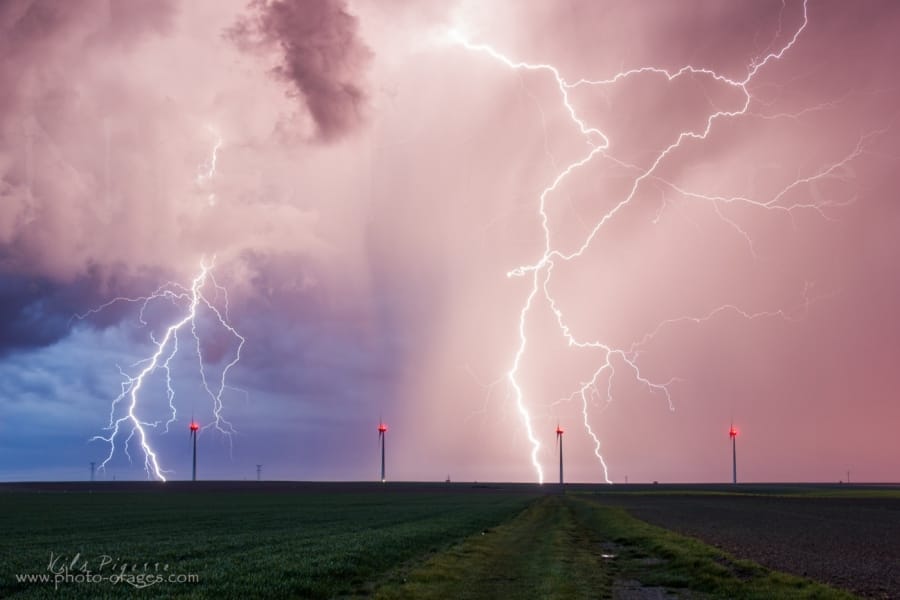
[320, 55]
[365, 183]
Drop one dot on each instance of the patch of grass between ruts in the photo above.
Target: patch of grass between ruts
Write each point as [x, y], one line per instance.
[543, 553]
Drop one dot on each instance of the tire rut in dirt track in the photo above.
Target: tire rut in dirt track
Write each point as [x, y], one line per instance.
[853, 543]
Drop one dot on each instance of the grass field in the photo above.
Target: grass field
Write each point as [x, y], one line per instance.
[239, 544]
[396, 541]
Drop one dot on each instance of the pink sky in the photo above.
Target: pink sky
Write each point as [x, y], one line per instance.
[378, 172]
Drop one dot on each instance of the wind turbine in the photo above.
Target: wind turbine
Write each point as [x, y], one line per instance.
[194, 429]
[559, 437]
[733, 434]
[382, 430]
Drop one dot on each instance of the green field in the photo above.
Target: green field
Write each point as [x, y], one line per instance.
[240, 545]
[390, 543]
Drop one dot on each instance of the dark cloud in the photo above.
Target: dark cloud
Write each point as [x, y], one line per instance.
[34, 312]
[321, 56]
[37, 311]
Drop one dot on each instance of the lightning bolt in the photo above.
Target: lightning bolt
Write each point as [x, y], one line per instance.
[598, 143]
[207, 170]
[200, 300]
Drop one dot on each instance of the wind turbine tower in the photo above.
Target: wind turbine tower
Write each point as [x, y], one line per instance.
[733, 434]
[382, 430]
[194, 429]
[559, 435]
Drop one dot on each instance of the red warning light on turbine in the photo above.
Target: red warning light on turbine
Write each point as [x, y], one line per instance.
[382, 428]
[194, 426]
[560, 430]
[732, 432]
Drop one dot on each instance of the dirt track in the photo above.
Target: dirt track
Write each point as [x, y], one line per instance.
[852, 543]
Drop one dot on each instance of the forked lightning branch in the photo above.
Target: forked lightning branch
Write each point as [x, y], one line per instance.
[129, 426]
[612, 359]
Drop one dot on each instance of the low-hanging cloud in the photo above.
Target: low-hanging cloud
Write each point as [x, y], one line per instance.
[320, 55]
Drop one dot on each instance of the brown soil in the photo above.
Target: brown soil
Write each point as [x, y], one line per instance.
[852, 543]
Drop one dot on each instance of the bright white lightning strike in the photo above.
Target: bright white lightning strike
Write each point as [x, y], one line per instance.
[207, 170]
[201, 300]
[598, 143]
